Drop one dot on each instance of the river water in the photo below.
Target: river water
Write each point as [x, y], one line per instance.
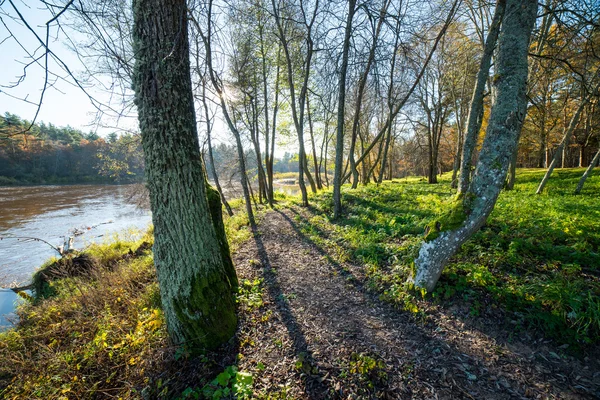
[89, 213]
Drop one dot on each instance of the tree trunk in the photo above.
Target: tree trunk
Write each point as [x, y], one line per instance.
[432, 164]
[361, 89]
[386, 149]
[446, 236]
[543, 139]
[269, 177]
[512, 171]
[254, 134]
[210, 153]
[196, 293]
[457, 159]
[476, 111]
[325, 152]
[274, 128]
[390, 104]
[587, 172]
[314, 147]
[339, 142]
[206, 38]
[566, 139]
[298, 107]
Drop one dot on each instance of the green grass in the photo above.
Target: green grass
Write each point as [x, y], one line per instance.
[102, 334]
[536, 258]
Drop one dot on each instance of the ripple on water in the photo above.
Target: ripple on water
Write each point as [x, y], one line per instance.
[51, 213]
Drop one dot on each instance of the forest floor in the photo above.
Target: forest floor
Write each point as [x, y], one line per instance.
[328, 336]
[325, 312]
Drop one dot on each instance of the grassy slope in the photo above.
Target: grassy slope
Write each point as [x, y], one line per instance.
[537, 258]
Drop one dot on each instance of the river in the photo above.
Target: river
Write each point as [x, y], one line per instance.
[89, 213]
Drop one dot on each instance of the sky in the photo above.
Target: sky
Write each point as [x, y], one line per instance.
[63, 103]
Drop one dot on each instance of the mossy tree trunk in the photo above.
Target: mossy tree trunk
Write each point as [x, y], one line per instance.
[196, 287]
[447, 235]
[475, 118]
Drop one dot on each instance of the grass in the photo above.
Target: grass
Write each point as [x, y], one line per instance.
[536, 259]
[101, 334]
[94, 334]
[536, 262]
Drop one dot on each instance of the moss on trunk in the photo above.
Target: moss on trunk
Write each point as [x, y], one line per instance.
[194, 270]
[216, 212]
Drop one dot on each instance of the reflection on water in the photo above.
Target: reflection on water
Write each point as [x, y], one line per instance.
[53, 212]
[8, 300]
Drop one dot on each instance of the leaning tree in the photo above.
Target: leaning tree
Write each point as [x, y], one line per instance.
[445, 236]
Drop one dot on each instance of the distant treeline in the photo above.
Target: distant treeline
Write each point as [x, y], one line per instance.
[227, 163]
[47, 154]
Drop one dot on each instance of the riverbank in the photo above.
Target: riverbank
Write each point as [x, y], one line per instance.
[324, 312]
[80, 180]
[89, 213]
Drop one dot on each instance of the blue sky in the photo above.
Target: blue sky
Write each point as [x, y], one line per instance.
[63, 103]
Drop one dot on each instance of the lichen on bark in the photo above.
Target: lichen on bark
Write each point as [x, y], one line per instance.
[500, 141]
[195, 274]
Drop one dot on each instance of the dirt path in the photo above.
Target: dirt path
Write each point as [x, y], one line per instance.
[321, 335]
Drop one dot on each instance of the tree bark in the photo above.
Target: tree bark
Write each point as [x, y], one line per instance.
[587, 172]
[195, 287]
[475, 118]
[339, 140]
[446, 236]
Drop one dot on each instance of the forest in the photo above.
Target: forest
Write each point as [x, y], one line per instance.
[443, 242]
[47, 154]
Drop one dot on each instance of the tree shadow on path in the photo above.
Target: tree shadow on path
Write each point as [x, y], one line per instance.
[315, 386]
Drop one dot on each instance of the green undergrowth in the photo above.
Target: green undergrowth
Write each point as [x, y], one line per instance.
[98, 331]
[92, 333]
[536, 260]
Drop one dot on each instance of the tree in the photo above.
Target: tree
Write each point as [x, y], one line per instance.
[298, 100]
[471, 210]
[195, 284]
[339, 143]
[475, 118]
[217, 83]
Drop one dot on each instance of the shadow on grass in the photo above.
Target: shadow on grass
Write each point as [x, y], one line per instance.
[414, 334]
[513, 264]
